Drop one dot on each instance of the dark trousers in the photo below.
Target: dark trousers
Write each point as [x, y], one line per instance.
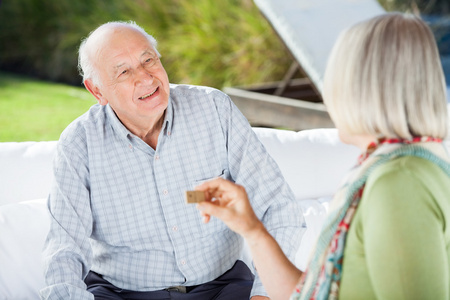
[234, 284]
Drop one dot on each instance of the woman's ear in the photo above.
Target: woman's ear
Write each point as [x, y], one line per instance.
[95, 91]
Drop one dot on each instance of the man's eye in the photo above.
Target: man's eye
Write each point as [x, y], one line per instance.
[148, 60]
[123, 72]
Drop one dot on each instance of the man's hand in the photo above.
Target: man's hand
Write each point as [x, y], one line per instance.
[259, 298]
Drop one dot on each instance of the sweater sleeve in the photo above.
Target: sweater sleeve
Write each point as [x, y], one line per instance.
[403, 233]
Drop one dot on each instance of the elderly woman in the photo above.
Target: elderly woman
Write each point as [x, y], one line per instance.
[387, 233]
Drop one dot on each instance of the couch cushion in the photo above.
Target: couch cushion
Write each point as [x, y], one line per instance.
[26, 171]
[313, 162]
[315, 212]
[23, 229]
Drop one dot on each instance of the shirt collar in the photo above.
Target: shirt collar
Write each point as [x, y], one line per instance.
[168, 119]
[124, 133]
[117, 126]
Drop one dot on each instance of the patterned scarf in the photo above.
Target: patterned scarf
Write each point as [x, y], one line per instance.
[322, 278]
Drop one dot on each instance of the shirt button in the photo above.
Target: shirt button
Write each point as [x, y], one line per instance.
[130, 146]
[165, 192]
[175, 228]
[169, 133]
[183, 262]
[156, 157]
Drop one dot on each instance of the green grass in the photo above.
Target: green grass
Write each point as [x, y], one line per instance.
[33, 110]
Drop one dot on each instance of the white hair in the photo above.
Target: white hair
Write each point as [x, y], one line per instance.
[384, 78]
[85, 64]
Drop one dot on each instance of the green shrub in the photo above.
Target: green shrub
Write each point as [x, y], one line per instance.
[226, 42]
[41, 37]
[205, 42]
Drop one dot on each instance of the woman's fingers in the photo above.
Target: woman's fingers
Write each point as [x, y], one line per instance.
[228, 202]
[205, 217]
[216, 188]
[208, 208]
[222, 190]
[213, 190]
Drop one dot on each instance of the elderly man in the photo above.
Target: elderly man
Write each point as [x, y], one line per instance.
[120, 226]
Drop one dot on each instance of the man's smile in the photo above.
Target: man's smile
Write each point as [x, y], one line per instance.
[149, 95]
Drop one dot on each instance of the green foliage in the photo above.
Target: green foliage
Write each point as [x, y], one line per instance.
[205, 42]
[42, 37]
[33, 110]
[224, 42]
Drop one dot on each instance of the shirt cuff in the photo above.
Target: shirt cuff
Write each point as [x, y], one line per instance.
[65, 291]
[258, 288]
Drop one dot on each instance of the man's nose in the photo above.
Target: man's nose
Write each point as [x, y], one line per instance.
[142, 76]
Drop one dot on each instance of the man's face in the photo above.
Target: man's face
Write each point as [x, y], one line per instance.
[131, 77]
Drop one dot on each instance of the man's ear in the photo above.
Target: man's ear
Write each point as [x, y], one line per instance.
[95, 91]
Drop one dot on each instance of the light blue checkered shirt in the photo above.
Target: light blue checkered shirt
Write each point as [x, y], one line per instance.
[118, 206]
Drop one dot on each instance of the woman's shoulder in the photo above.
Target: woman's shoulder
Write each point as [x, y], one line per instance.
[407, 169]
[409, 181]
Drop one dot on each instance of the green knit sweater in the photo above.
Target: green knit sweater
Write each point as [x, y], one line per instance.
[398, 245]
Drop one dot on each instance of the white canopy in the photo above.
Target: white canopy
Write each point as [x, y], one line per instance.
[309, 28]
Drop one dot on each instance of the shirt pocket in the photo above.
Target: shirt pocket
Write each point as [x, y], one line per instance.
[225, 174]
[214, 226]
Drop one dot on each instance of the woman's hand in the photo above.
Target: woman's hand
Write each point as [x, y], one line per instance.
[229, 202]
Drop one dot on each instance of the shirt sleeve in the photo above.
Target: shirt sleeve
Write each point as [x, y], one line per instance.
[67, 252]
[271, 197]
[403, 234]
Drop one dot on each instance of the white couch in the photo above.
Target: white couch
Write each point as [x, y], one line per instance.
[312, 161]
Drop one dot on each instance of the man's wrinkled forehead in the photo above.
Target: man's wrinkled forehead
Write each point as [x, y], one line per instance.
[107, 35]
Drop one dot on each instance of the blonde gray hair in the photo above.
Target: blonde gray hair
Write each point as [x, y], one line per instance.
[86, 65]
[384, 78]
